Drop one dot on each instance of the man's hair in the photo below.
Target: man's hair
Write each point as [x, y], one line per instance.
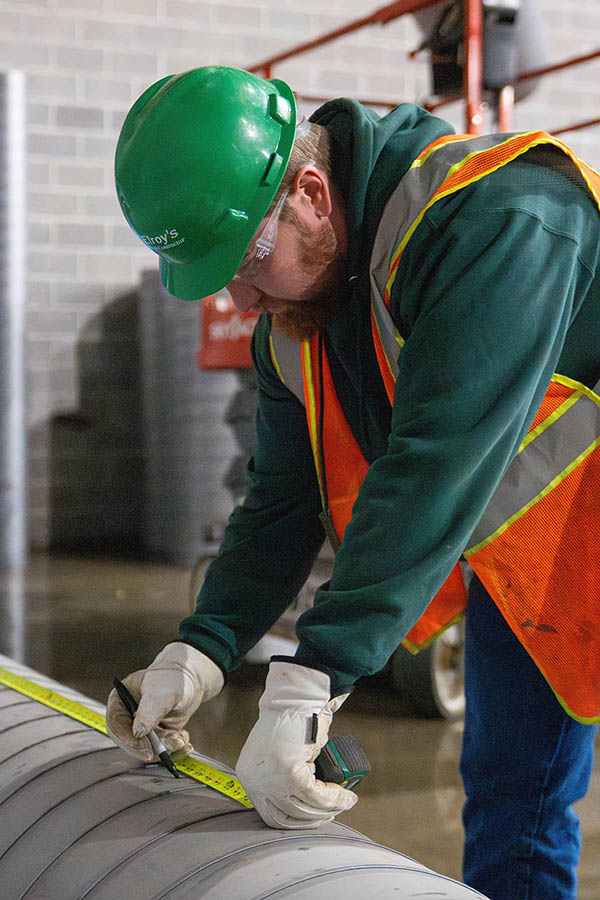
[312, 147]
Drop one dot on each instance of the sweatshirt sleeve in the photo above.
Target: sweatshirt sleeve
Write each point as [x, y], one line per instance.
[484, 299]
[272, 539]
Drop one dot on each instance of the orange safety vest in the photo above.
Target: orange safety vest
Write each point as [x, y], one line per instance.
[534, 545]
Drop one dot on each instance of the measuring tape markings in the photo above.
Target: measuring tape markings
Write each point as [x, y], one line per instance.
[208, 775]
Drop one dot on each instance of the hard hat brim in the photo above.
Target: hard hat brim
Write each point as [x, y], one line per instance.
[194, 281]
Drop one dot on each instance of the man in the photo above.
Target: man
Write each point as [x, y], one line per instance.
[426, 368]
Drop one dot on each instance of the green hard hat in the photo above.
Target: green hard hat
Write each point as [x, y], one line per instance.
[198, 162]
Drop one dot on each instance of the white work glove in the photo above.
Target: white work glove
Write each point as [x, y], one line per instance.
[168, 692]
[276, 765]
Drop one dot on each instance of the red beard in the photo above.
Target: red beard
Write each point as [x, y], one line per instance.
[302, 319]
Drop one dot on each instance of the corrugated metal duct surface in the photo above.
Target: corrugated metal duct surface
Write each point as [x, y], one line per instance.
[79, 820]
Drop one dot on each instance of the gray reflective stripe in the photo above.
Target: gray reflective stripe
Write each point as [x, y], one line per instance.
[414, 191]
[387, 331]
[288, 356]
[539, 463]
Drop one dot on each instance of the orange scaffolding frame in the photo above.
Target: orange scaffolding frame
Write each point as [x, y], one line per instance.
[223, 355]
[473, 65]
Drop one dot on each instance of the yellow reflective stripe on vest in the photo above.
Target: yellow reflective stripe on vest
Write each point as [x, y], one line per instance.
[274, 359]
[311, 411]
[444, 142]
[547, 455]
[403, 212]
[549, 420]
[292, 362]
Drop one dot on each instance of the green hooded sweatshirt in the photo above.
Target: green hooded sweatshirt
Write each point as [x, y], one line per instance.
[495, 292]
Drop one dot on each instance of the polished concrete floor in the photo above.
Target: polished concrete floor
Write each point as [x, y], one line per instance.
[83, 621]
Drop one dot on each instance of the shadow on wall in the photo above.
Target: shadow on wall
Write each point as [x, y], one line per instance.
[96, 453]
[150, 460]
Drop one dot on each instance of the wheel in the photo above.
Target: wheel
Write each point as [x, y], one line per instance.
[432, 682]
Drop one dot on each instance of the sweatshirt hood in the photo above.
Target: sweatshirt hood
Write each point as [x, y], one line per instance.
[369, 156]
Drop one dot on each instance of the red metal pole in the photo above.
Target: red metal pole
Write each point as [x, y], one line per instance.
[576, 127]
[506, 102]
[312, 98]
[381, 16]
[575, 60]
[473, 14]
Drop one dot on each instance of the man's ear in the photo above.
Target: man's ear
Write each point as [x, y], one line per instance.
[313, 190]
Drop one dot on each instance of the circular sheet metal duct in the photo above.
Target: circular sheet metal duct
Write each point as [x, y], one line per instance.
[80, 819]
[13, 241]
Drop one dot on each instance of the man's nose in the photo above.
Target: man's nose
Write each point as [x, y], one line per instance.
[244, 296]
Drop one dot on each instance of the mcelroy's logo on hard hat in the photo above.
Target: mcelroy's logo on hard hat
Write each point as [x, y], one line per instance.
[163, 241]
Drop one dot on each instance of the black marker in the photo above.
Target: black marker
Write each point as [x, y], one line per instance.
[159, 748]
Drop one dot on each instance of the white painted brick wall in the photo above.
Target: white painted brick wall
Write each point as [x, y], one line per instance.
[87, 60]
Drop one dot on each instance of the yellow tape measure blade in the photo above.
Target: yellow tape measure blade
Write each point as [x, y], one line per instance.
[54, 700]
[221, 781]
[214, 778]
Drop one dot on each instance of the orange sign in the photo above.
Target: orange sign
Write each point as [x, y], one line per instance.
[225, 334]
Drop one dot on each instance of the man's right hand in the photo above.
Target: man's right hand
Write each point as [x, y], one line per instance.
[168, 692]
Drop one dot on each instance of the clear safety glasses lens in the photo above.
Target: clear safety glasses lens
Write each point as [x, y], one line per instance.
[261, 248]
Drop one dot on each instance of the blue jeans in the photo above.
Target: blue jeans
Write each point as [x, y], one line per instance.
[524, 763]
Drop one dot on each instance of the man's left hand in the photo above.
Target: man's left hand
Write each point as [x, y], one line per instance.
[276, 765]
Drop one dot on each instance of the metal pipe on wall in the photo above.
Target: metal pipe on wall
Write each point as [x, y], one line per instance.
[81, 820]
[12, 318]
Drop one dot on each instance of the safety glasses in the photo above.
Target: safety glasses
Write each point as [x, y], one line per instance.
[262, 246]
